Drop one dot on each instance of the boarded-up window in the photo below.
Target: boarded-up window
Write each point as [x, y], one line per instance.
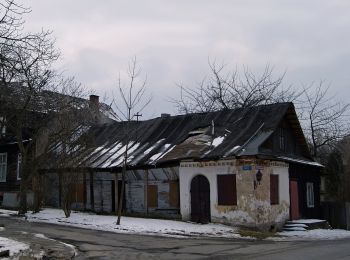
[274, 190]
[227, 192]
[174, 194]
[79, 192]
[152, 196]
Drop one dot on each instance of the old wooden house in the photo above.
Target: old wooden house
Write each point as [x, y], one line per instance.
[248, 167]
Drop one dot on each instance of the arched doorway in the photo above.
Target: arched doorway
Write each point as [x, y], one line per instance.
[200, 199]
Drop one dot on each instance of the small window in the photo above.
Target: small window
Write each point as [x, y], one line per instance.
[2, 126]
[152, 196]
[227, 191]
[3, 167]
[310, 195]
[274, 190]
[282, 139]
[19, 166]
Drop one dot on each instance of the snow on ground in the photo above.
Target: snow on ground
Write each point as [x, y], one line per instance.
[133, 225]
[314, 234]
[14, 246]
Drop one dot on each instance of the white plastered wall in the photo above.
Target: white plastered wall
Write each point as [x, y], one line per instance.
[253, 205]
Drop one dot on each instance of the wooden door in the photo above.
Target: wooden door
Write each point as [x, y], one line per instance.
[200, 199]
[294, 200]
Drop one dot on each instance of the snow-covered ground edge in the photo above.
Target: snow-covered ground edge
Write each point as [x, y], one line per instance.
[74, 249]
[168, 228]
[314, 234]
[131, 225]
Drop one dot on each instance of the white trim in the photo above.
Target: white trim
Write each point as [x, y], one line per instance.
[3, 166]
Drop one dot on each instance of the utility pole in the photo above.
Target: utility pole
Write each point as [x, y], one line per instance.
[137, 116]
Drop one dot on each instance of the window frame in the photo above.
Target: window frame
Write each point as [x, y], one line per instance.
[282, 139]
[3, 163]
[310, 195]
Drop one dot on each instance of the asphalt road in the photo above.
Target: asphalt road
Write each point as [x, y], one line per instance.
[92, 244]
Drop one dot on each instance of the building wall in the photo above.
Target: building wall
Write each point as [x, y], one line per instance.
[253, 207]
[105, 197]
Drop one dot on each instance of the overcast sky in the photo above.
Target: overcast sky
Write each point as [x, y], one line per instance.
[173, 40]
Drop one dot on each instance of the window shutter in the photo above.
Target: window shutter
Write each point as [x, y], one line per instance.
[227, 192]
[174, 194]
[274, 190]
[152, 196]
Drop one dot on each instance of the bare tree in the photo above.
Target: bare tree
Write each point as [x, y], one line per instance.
[25, 75]
[325, 119]
[132, 101]
[230, 90]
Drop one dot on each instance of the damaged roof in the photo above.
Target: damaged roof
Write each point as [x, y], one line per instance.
[197, 136]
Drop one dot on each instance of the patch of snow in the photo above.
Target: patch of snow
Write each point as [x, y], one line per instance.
[314, 234]
[14, 246]
[153, 146]
[165, 149]
[117, 152]
[218, 140]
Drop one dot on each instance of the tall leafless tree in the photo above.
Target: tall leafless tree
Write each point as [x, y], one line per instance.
[132, 100]
[224, 89]
[325, 118]
[28, 104]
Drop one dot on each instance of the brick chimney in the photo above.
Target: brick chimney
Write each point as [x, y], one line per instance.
[94, 101]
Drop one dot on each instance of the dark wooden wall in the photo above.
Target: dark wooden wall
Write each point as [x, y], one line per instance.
[303, 174]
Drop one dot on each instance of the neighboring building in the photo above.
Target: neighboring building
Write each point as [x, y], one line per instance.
[248, 167]
[42, 107]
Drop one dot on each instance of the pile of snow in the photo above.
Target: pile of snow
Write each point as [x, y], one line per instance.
[133, 225]
[14, 246]
[314, 234]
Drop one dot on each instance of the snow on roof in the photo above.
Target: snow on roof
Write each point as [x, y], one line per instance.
[192, 136]
[218, 140]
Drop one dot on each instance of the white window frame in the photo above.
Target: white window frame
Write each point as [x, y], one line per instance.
[3, 165]
[19, 164]
[310, 195]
